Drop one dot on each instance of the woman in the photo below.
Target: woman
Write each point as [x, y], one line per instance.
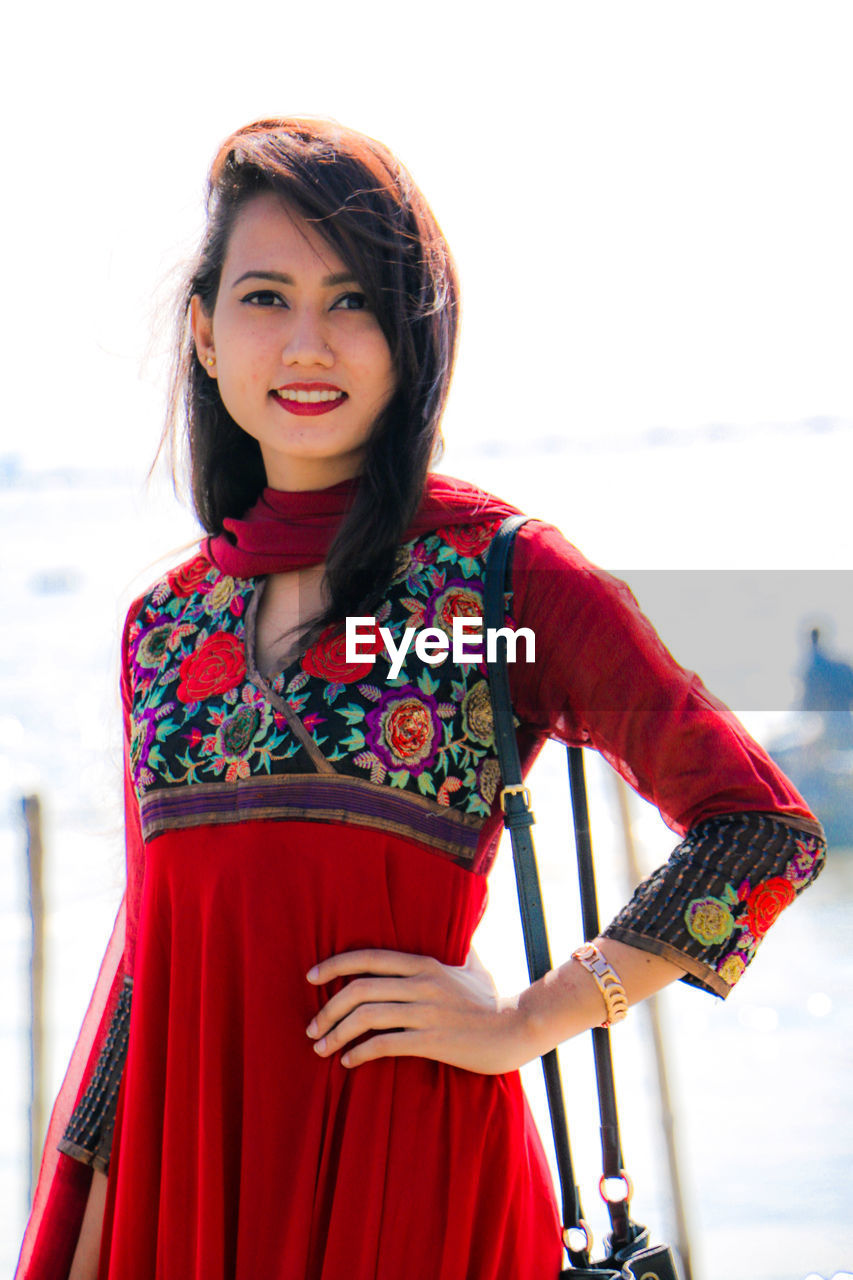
[317, 1076]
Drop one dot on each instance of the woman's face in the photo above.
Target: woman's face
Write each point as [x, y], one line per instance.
[301, 361]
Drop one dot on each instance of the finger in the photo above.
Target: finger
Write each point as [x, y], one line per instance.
[363, 991]
[373, 960]
[366, 1018]
[394, 1044]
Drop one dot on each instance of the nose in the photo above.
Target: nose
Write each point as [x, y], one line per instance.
[306, 342]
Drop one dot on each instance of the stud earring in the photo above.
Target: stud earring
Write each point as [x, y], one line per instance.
[210, 361]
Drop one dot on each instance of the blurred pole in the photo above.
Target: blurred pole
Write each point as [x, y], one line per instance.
[653, 1014]
[31, 806]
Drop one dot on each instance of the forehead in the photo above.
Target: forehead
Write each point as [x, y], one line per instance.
[270, 234]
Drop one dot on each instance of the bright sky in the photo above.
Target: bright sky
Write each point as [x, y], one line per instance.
[650, 203]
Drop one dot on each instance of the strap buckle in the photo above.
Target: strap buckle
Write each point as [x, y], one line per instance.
[517, 789]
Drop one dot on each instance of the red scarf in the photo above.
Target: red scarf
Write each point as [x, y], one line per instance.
[290, 530]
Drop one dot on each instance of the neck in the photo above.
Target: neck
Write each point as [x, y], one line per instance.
[311, 474]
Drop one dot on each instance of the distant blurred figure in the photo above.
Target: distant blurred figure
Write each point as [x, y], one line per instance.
[828, 688]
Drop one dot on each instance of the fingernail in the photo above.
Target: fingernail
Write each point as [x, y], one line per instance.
[319, 1045]
[313, 974]
[311, 1029]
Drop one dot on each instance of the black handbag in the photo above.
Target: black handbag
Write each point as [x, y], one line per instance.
[628, 1255]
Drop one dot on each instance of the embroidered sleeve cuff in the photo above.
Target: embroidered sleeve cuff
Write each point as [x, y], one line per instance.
[89, 1134]
[708, 908]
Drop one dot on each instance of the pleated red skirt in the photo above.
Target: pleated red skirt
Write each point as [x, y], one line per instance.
[239, 1154]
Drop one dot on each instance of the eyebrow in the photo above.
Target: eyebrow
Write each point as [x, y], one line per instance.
[281, 277]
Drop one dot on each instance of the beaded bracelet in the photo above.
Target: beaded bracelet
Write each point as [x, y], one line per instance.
[607, 981]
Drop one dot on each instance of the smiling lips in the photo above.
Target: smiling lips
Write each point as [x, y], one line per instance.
[309, 397]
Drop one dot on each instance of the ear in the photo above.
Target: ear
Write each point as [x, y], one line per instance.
[202, 327]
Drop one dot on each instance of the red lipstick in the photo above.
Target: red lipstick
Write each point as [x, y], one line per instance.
[286, 397]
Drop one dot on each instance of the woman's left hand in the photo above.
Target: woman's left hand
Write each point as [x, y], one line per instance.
[418, 1007]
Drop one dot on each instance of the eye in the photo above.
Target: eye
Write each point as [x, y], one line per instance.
[353, 301]
[264, 298]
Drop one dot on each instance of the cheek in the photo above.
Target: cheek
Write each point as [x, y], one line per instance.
[241, 361]
[377, 360]
[239, 376]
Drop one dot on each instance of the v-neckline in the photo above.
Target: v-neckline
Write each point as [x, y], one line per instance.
[265, 686]
[252, 638]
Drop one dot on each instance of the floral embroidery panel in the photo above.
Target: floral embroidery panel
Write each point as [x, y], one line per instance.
[197, 717]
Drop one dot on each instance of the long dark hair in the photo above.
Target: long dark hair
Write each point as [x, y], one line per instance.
[366, 205]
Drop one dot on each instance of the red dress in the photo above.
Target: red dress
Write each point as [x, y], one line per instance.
[286, 1164]
[273, 825]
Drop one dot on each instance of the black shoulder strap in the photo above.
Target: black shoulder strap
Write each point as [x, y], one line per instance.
[515, 803]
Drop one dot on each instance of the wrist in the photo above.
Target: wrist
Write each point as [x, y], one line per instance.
[519, 1021]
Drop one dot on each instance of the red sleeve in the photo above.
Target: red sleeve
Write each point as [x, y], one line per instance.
[603, 678]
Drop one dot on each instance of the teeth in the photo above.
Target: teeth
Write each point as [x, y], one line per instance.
[308, 397]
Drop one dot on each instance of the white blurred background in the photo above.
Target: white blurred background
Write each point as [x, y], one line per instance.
[650, 207]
